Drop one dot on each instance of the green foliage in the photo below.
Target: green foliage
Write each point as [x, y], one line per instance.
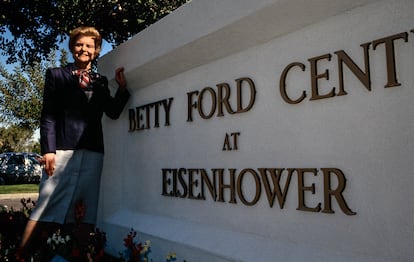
[16, 139]
[38, 26]
[19, 189]
[21, 93]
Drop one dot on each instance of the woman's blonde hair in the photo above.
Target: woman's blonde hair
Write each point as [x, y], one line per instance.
[86, 31]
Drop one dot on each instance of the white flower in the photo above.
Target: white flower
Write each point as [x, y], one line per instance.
[144, 250]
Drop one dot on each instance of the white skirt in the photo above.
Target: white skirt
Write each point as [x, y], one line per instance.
[73, 186]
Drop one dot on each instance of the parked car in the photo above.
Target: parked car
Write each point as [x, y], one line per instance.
[19, 168]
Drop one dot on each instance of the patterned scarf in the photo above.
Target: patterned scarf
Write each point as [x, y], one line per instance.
[85, 81]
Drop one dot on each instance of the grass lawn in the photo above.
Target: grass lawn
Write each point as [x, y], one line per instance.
[23, 188]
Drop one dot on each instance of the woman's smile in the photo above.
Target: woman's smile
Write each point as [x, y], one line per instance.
[84, 51]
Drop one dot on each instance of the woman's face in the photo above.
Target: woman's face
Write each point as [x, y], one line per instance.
[84, 50]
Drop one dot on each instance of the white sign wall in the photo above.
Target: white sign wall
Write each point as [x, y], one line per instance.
[266, 131]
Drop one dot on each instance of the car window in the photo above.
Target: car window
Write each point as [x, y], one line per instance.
[33, 161]
[16, 160]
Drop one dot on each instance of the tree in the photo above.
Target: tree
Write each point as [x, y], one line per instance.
[37, 26]
[21, 103]
[21, 93]
[17, 139]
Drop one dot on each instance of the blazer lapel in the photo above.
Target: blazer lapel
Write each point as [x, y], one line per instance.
[75, 82]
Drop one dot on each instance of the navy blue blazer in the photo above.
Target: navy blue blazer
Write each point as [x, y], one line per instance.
[68, 120]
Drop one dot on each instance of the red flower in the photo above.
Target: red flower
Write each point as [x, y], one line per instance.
[129, 240]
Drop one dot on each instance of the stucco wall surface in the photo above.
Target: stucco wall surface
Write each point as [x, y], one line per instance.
[368, 135]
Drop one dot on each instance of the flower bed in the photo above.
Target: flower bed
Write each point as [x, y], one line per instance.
[73, 242]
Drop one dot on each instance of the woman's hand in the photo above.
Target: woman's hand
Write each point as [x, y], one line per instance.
[120, 78]
[49, 161]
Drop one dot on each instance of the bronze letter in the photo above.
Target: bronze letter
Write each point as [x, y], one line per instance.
[213, 102]
[156, 113]
[390, 56]
[166, 182]
[276, 174]
[235, 136]
[226, 145]
[211, 185]
[240, 190]
[191, 105]
[239, 81]
[192, 183]
[315, 76]
[167, 107]
[139, 118]
[364, 77]
[282, 84]
[337, 193]
[132, 120]
[230, 186]
[147, 116]
[302, 188]
[181, 180]
[223, 100]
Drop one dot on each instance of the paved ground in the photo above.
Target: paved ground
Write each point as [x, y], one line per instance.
[13, 200]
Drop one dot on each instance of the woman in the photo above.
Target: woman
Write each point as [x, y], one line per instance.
[74, 101]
